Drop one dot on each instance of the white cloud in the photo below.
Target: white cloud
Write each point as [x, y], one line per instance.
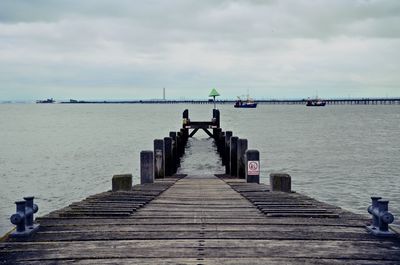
[129, 49]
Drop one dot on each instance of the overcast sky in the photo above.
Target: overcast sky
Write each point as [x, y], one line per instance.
[124, 49]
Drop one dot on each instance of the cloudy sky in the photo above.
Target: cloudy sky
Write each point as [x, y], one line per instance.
[123, 49]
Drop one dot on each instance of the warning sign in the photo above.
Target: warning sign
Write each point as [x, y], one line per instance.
[253, 168]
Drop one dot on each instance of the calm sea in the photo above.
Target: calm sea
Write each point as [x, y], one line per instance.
[62, 153]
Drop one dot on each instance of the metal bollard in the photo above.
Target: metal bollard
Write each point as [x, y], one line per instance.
[23, 218]
[381, 218]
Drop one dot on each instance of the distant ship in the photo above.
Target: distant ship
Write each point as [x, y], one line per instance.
[49, 100]
[315, 102]
[248, 103]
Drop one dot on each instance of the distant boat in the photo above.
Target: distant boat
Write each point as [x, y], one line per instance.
[49, 100]
[315, 102]
[248, 103]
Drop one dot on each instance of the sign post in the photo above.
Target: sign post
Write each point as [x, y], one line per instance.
[252, 166]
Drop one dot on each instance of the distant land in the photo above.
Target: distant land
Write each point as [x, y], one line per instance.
[331, 101]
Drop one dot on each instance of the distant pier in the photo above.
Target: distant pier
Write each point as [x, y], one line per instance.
[228, 218]
[344, 101]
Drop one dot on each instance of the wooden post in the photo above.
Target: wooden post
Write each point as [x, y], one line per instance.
[174, 152]
[122, 182]
[168, 156]
[228, 135]
[280, 182]
[180, 145]
[252, 166]
[146, 167]
[241, 150]
[186, 121]
[159, 159]
[221, 146]
[233, 155]
[216, 118]
[216, 133]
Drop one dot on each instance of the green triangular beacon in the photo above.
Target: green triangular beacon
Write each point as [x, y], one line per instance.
[214, 93]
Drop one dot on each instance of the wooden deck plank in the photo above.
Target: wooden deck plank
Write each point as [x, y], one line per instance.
[202, 220]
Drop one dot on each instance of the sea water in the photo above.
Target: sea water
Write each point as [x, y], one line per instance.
[62, 153]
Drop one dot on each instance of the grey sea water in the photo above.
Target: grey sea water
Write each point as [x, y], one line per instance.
[63, 153]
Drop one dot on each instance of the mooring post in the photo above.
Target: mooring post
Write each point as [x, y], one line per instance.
[185, 136]
[221, 146]
[122, 182]
[168, 156]
[280, 182]
[159, 159]
[180, 145]
[252, 166]
[233, 155]
[228, 135]
[216, 133]
[241, 150]
[174, 151]
[146, 167]
[185, 122]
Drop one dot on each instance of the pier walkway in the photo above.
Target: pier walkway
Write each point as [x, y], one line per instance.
[201, 219]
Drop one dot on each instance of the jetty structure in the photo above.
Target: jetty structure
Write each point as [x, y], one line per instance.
[338, 101]
[172, 218]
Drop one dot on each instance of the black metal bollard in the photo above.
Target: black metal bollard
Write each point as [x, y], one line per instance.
[226, 159]
[241, 150]
[159, 158]
[23, 218]
[168, 156]
[233, 155]
[146, 167]
[252, 166]
[381, 218]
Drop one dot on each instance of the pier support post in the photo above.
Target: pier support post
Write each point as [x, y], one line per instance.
[216, 133]
[280, 182]
[168, 156]
[216, 118]
[252, 166]
[241, 150]
[159, 159]
[174, 151]
[221, 146]
[233, 155]
[146, 167]
[122, 182]
[228, 135]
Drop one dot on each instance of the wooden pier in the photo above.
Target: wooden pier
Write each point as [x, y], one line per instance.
[201, 219]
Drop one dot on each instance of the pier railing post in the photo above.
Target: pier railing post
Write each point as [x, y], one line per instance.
[280, 182]
[168, 156]
[252, 166]
[159, 158]
[122, 182]
[241, 150]
[146, 167]
[233, 155]
[228, 135]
